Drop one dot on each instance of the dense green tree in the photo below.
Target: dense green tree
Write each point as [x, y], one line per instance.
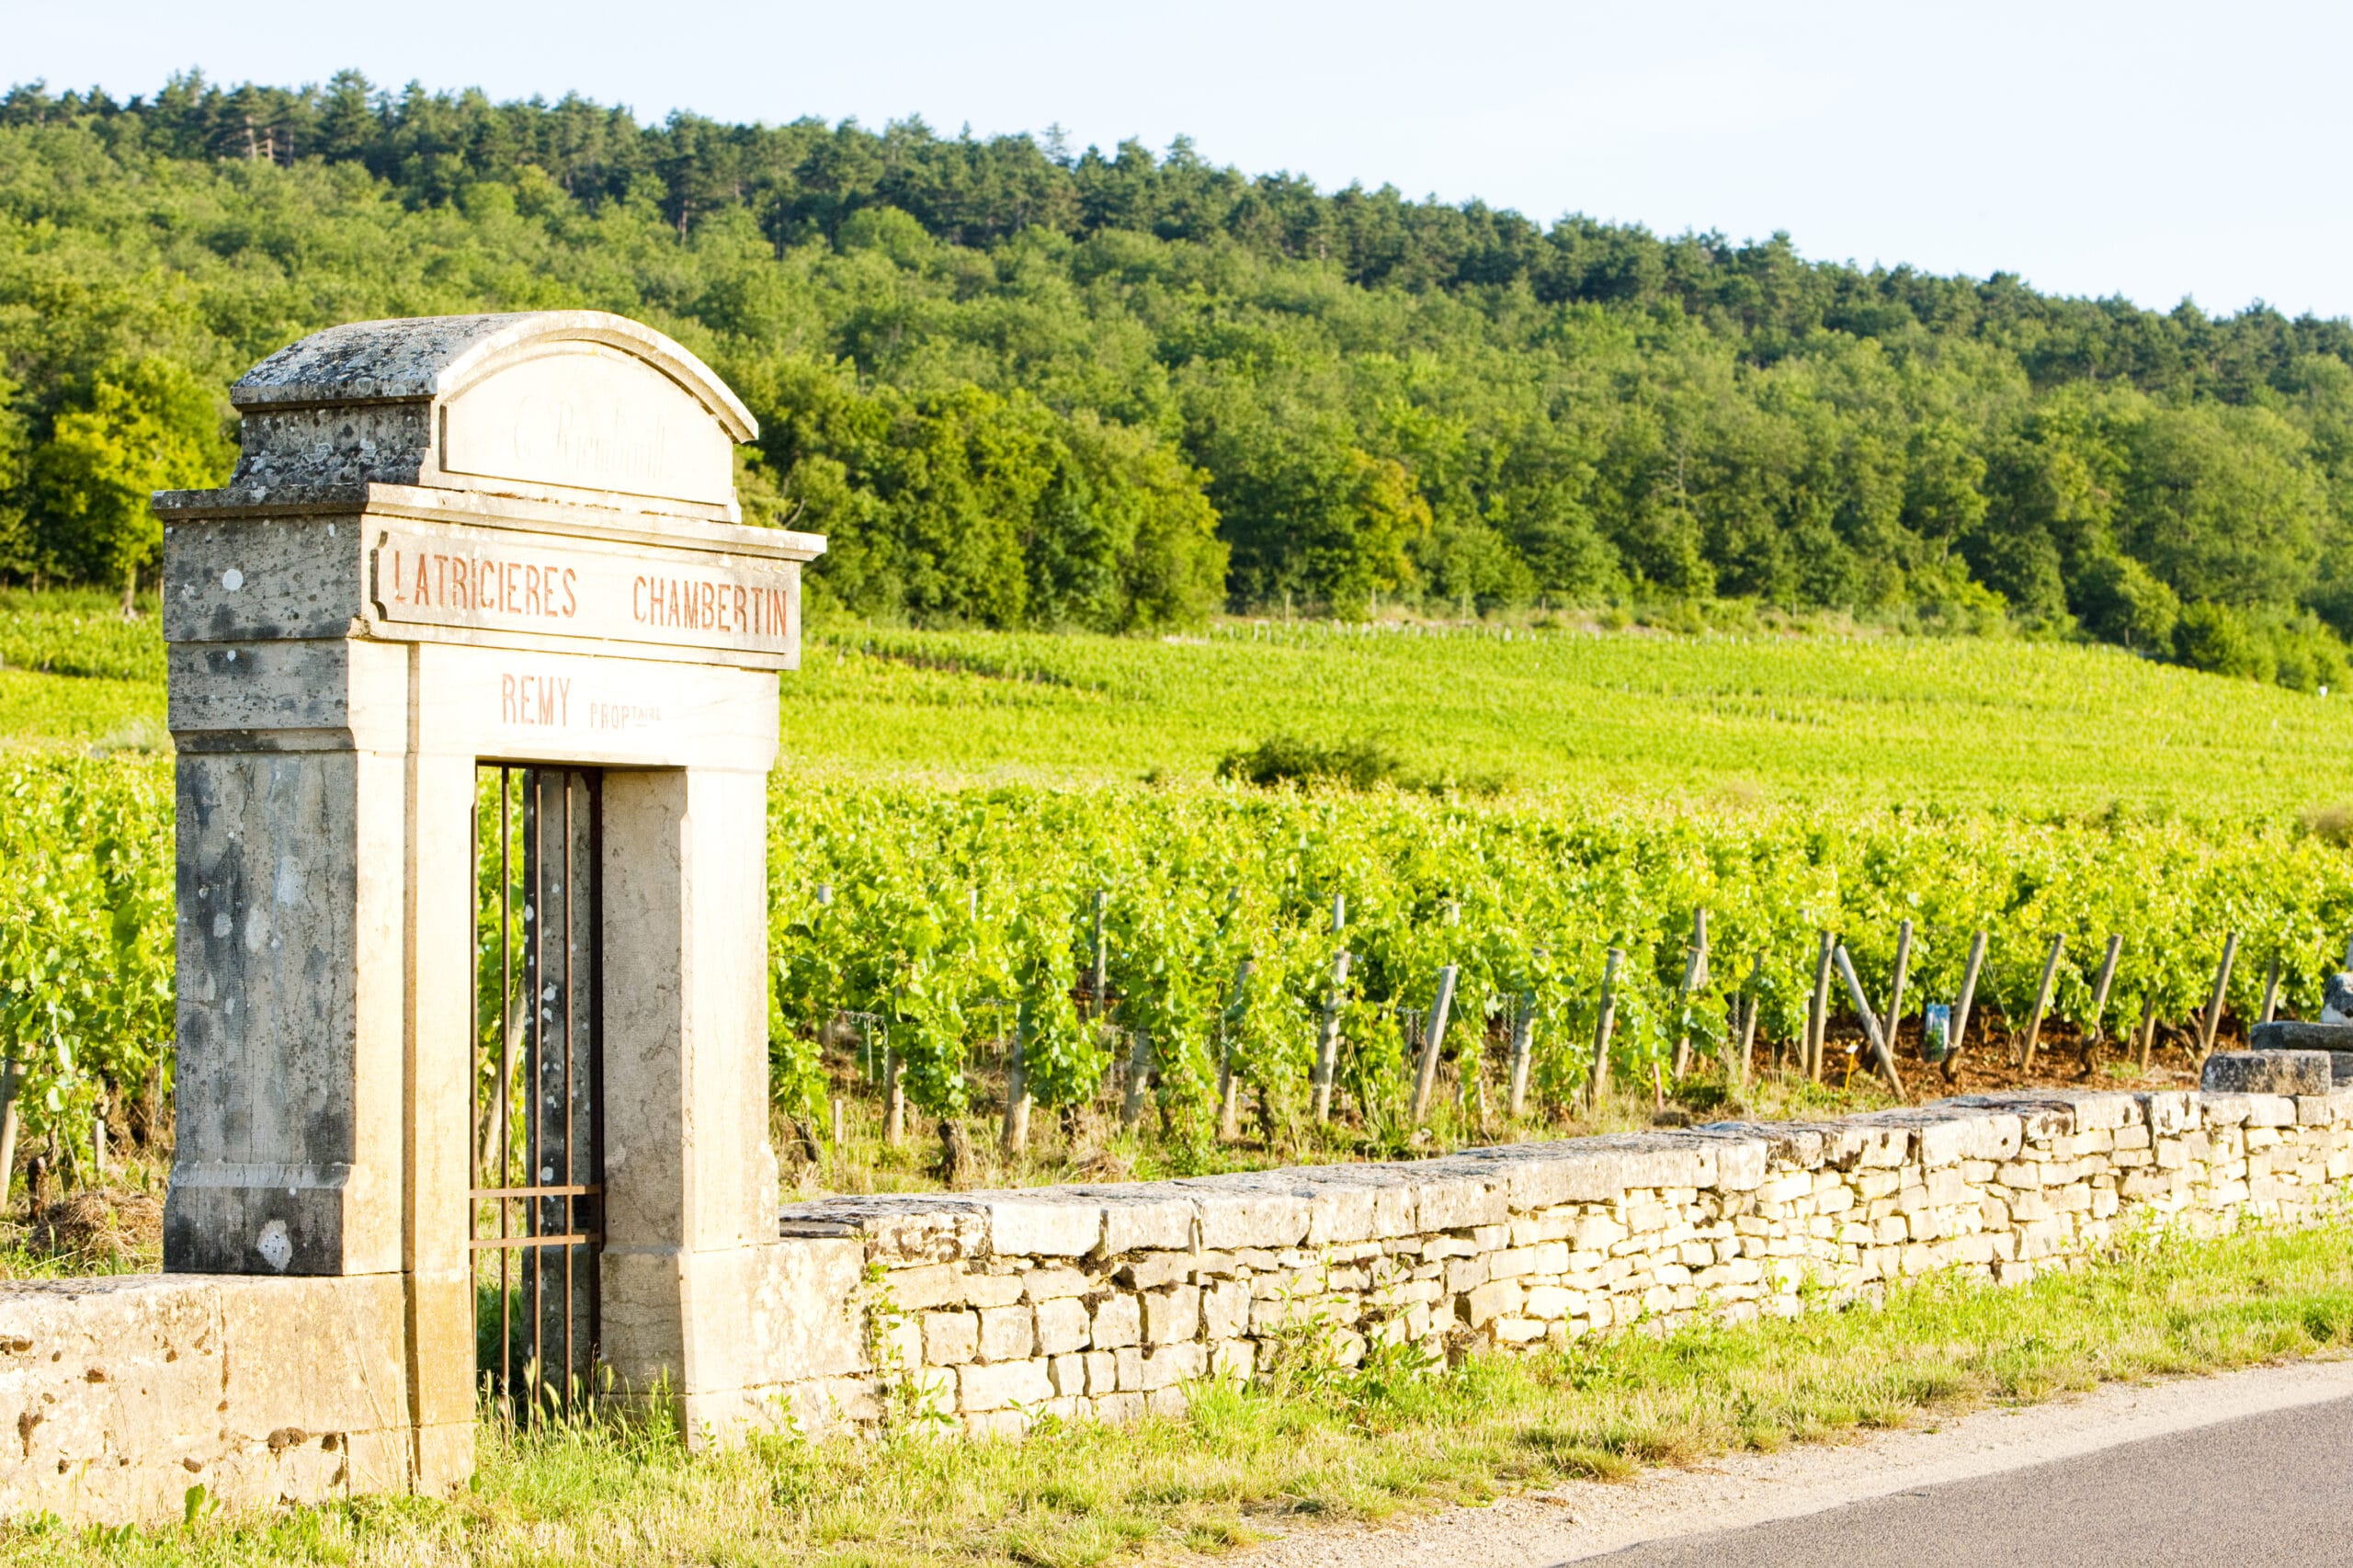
[1023, 384]
[2122, 601]
[150, 426]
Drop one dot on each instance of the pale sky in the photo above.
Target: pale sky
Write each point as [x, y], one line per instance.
[2155, 150]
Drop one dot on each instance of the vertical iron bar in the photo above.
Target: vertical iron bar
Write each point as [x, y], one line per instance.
[473, 1059]
[505, 1077]
[570, 1175]
[596, 1053]
[535, 919]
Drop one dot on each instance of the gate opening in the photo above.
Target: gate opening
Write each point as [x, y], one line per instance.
[537, 1182]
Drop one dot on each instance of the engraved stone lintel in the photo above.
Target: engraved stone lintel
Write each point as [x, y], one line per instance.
[570, 588]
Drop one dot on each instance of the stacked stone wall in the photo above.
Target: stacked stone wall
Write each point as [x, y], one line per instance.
[984, 1312]
[989, 1310]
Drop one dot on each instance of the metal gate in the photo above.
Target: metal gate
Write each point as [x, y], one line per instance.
[538, 1188]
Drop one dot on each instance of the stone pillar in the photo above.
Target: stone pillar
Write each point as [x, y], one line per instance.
[451, 543]
[291, 1051]
[691, 1176]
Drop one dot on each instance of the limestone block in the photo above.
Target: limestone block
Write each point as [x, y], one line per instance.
[902, 1228]
[2170, 1113]
[2218, 1110]
[1171, 1315]
[1173, 1364]
[2271, 1111]
[134, 1388]
[1541, 1176]
[1168, 1403]
[1049, 1284]
[989, 1289]
[1245, 1212]
[1225, 1309]
[1007, 1333]
[1119, 1409]
[1146, 1215]
[1062, 1325]
[1002, 1426]
[1155, 1269]
[1458, 1194]
[799, 1321]
[1233, 1360]
[993, 1385]
[1489, 1301]
[1069, 1375]
[950, 1338]
[1467, 1273]
[925, 1286]
[1042, 1223]
[1118, 1321]
[2267, 1073]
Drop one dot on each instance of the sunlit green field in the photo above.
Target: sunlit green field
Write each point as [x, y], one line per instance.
[1869, 722]
[1865, 721]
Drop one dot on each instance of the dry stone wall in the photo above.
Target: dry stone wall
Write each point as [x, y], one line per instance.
[990, 1310]
[987, 1310]
[123, 1394]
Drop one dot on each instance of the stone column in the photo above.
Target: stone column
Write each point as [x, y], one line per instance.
[690, 1179]
[292, 803]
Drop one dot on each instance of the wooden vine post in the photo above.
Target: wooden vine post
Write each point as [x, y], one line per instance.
[1138, 1077]
[1881, 1051]
[1748, 1002]
[1523, 1040]
[1433, 1040]
[894, 1097]
[1016, 1086]
[2041, 1004]
[1598, 1081]
[2094, 1031]
[1328, 1041]
[1961, 1008]
[1228, 1092]
[1695, 979]
[1817, 1026]
[2212, 1021]
[1895, 989]
[1095, 978]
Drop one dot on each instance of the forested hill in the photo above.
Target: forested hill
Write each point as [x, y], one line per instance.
[1020, 385]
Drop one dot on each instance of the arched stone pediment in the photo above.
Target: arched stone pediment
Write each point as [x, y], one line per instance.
[564, 405]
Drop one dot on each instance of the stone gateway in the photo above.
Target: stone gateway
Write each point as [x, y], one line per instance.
[508, 542]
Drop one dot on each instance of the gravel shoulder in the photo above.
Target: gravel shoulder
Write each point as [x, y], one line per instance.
[1586, 1519]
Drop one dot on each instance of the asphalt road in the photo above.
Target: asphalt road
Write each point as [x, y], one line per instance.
[2274, 1490]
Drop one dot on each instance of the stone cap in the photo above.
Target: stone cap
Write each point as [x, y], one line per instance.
[2294, 1034]
[413, 358]
[580, 409]
[2267, 1073]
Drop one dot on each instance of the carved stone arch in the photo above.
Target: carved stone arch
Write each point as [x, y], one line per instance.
[577, 406]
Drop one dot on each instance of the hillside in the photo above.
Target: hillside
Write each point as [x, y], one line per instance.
[2014, 730]
[1024, 386]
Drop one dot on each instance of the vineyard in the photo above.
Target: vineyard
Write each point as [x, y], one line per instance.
[2019, 729]
[1163, 962]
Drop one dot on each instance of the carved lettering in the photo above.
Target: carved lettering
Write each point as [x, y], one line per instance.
[580, 590]
[535, 701]
[622, 715]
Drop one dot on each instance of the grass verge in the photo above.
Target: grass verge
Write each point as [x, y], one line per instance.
[1321, 1444]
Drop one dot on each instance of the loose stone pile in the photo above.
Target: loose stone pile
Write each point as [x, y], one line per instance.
[992, 1310]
